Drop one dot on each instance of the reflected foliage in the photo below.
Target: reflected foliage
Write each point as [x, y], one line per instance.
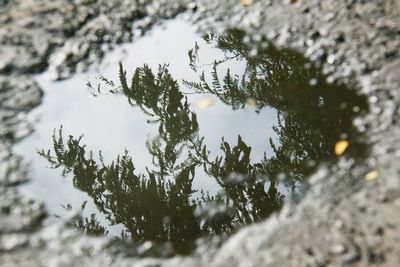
[90, 226]
[312, 114]
[161, 205]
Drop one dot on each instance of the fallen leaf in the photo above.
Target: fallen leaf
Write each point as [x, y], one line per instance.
[204, 103]
[340, 147]
[251, 102]
[372, 175]
[246, 2]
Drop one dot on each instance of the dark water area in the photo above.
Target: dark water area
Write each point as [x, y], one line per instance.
[219, 132]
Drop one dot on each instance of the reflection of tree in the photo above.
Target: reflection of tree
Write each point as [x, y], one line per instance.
[159, 97]
[242, 181]
[312, 114]
[269, 79]
[90, 226]
[159, 205]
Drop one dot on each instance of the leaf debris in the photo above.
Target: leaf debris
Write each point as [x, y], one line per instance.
[246, 2]
[341, 146]
[372, 175]
[251, 102]
[205, 103]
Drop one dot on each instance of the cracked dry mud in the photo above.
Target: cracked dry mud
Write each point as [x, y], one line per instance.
[337, 224]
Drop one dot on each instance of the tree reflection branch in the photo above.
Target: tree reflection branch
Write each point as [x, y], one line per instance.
[159, 205]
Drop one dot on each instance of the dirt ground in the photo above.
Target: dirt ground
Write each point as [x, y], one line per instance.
[350, 216]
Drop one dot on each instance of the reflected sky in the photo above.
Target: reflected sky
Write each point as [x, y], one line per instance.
[258, 152]
[111, 125]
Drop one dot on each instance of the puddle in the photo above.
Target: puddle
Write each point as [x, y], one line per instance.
[207, 153]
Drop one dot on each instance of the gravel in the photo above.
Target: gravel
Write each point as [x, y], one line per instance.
[344, 220]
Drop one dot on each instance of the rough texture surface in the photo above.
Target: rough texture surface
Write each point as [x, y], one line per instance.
[344, 219]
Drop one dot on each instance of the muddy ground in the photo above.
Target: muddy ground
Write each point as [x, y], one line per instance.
[345, 219]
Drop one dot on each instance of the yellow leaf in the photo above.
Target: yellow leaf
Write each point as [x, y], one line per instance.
[246, 2]
[372, 175]
[340, 147]
[204, 103]
[251, 102]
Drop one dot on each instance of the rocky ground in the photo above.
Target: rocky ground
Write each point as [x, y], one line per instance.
[350, 217]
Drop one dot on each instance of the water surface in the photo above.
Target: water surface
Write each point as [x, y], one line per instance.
[218, 137]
